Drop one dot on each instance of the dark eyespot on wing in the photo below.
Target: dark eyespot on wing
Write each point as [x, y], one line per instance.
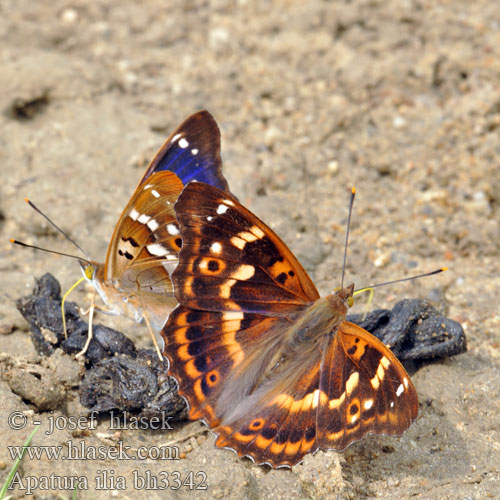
[125, 254]
[213, 265]
[131, 240]
[281, 278]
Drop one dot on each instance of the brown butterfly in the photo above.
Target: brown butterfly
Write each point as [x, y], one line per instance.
[142, 254]
[135, 279]
[272, 367]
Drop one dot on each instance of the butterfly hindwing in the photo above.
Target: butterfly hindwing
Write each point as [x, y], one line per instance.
[367, 390]
[207, 347]
[357, 387]
[151, 234]
[143, 252]
[280, 427]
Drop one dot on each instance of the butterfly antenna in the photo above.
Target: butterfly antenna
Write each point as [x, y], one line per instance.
[53, 224]
[22, 244]
[353, 193]
[436, 271]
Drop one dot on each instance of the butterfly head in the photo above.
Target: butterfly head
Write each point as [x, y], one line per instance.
[88, 269]
[341, 299]
[93, 272]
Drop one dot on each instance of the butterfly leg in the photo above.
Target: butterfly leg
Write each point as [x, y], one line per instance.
[103, 309]
[155, 342]
[89, 336]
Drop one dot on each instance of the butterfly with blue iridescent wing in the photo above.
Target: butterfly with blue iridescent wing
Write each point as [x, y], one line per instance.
[135, 280]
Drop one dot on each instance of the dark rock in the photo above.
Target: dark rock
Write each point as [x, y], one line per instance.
[105, 343]
[117, 377]
[126, 384]
[414, 330]
[42, 310]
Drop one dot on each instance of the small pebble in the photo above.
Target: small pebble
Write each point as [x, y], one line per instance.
[6, 329]
[69, 15]
[398, 122]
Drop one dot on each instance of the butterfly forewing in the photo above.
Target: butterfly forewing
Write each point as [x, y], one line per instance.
[192, 152]
[231, 261]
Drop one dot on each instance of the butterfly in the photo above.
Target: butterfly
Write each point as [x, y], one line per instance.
[273, 368]
[135, 279]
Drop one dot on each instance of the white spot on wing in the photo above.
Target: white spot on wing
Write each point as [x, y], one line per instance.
[169, 266]
[375, 381]
[233, 315]
[315, 400]
[351, 383]
[143, 219]
[216, 248]
[194, 151]
[183, 143]
[157, 250]
[238, 242]
[175, 137]
[153, 225]
[400, 390]
[172, 229]
[244, 272]
[392, 404]
[258, 232]
[210, 218]
[368, 404]
[225, 289]
[133, 214]
[222, 209]
[229, 202]
[155, 193]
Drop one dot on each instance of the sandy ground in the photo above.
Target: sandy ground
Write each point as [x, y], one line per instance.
[398, 98]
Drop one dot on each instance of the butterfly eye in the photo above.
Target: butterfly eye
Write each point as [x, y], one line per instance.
[89, 271]
[350, 301]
